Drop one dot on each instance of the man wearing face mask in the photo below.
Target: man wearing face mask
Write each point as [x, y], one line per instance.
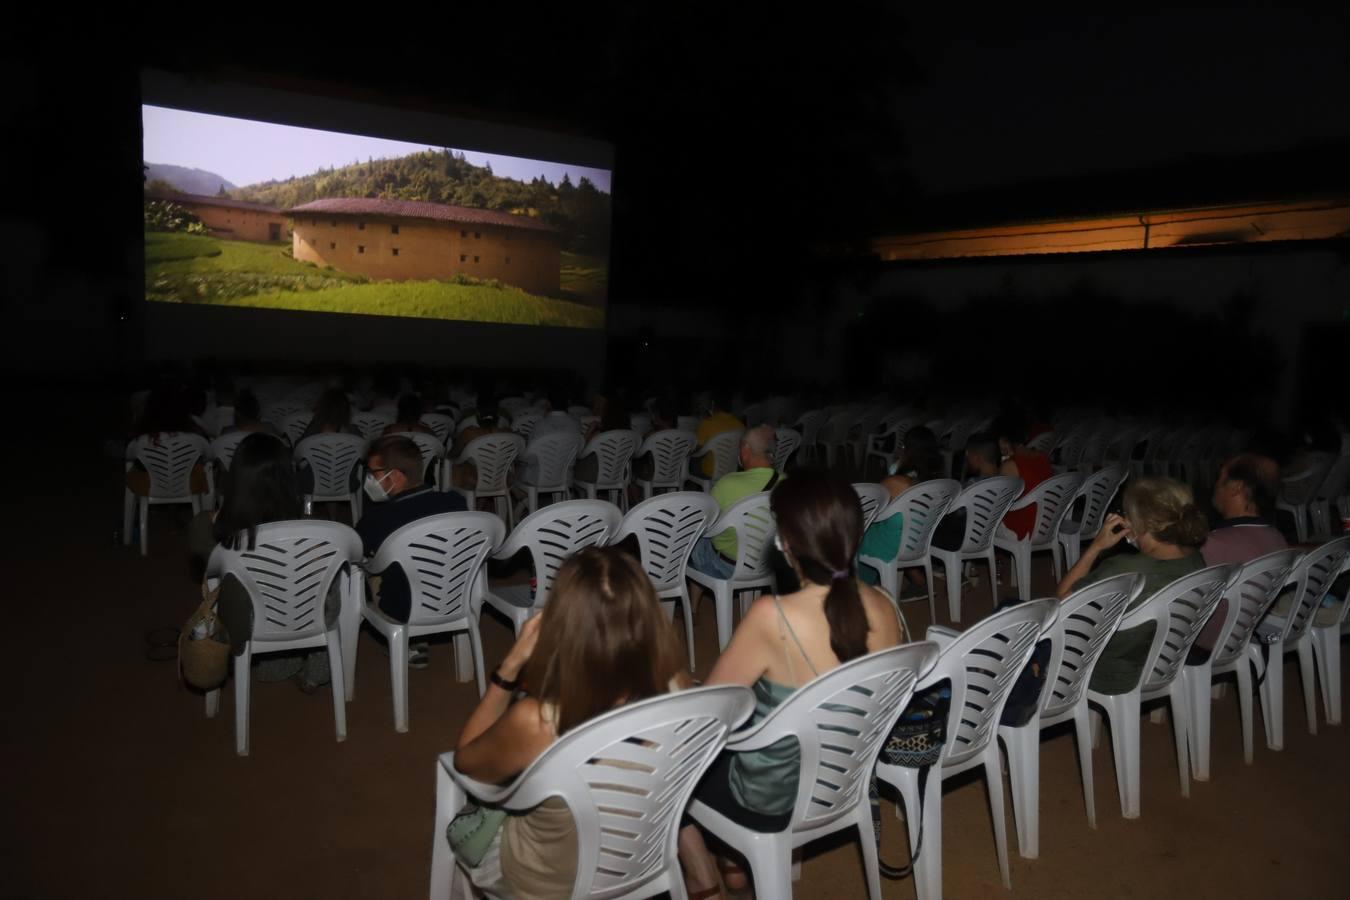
[395, 484]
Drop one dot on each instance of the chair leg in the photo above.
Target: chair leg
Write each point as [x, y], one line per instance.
[1176, 693]
[954, 574]
[464, 663]
[1272, 697]
[349, 627]
[398, 676]
[1197, 681]
[339, 684]
[145, 526]
[128, 515]
[770, 860]
[476, 643]
[993, 779]
[722, 602]
[1244, 692]
[1024, 777]
[243, 675]
[212, 703]
[1082, 732]
[442, 859]
[1326, 644]
[866, 837]
[1122, 713]
[688, 621]
[1308, 673]
[928, 867]
[1022, 570]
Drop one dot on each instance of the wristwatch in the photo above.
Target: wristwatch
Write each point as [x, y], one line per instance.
[502, 683]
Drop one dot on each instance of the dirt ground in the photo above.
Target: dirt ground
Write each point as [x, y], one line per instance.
[119, 786]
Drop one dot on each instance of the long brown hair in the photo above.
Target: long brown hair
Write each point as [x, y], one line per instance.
[820, 521]
[603, 639]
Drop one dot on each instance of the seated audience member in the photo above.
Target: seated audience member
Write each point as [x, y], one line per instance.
[165, 412]
[248, 415]
[409, 417]
[918, 460]
[614, 416]
[717, 556]
[394, 482]
[664, 418]
[1244, 496]
[570, 672]
[485, 421]
[983, 460]
[1163, 521]
[332, 415]
[780, 645]
[717, 421]
[1032, 466]
[259, 488]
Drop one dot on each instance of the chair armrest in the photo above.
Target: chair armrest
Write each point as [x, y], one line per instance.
[478, 790]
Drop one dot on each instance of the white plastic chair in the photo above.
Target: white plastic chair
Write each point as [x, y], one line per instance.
[523, 421]
[432, 450]
[1333, 488]
[492, 456]
[666, 527]
[551, 535]
[985, 502]
[1313, 576]
[753, 524]
[1053, 499]
[276, 414]
[1096, 491]
[372, 424]
[613, 452]
[1325, 639]
[288, 574]
[839, 720]
[1178, 611]
[294, 426]
[981, 664]
[332, 458]
[724, 447]
[552, 457]
[834, 434]
[443, 558]
[1083, 624]
[442, 425]
[873, 498]
[786, 443]
[1251, 590]
[1042, 443]
[1299, 490]
[168, 459]
[809, 425]
[921, 507]
[625, 776]
[670, 451]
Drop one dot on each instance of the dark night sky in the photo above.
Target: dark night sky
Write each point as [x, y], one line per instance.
[1018, 95]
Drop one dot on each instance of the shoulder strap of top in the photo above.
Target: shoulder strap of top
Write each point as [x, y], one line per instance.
[783, 623]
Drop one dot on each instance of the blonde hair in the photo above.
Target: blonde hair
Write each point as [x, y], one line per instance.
[1167, 510]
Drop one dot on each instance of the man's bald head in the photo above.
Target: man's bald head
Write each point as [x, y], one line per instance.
[757, 447]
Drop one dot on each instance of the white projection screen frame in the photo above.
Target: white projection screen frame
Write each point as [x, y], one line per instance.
[183, 331]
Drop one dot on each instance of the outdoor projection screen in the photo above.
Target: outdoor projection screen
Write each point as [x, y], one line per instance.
[260, 200]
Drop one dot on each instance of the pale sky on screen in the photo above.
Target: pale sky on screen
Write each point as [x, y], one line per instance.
[246, 152]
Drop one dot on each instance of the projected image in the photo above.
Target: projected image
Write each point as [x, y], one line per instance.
[255, 214]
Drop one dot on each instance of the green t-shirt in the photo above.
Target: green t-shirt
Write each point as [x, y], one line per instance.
[1122, 662]
[727, 491]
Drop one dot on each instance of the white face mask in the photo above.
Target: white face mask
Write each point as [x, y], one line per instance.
[374, 490]
[893, 467]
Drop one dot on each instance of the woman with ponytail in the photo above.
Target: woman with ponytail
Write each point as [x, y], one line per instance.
[781, 644]
[1166, 526]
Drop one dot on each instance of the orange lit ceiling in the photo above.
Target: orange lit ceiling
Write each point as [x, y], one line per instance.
[1208, 226]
